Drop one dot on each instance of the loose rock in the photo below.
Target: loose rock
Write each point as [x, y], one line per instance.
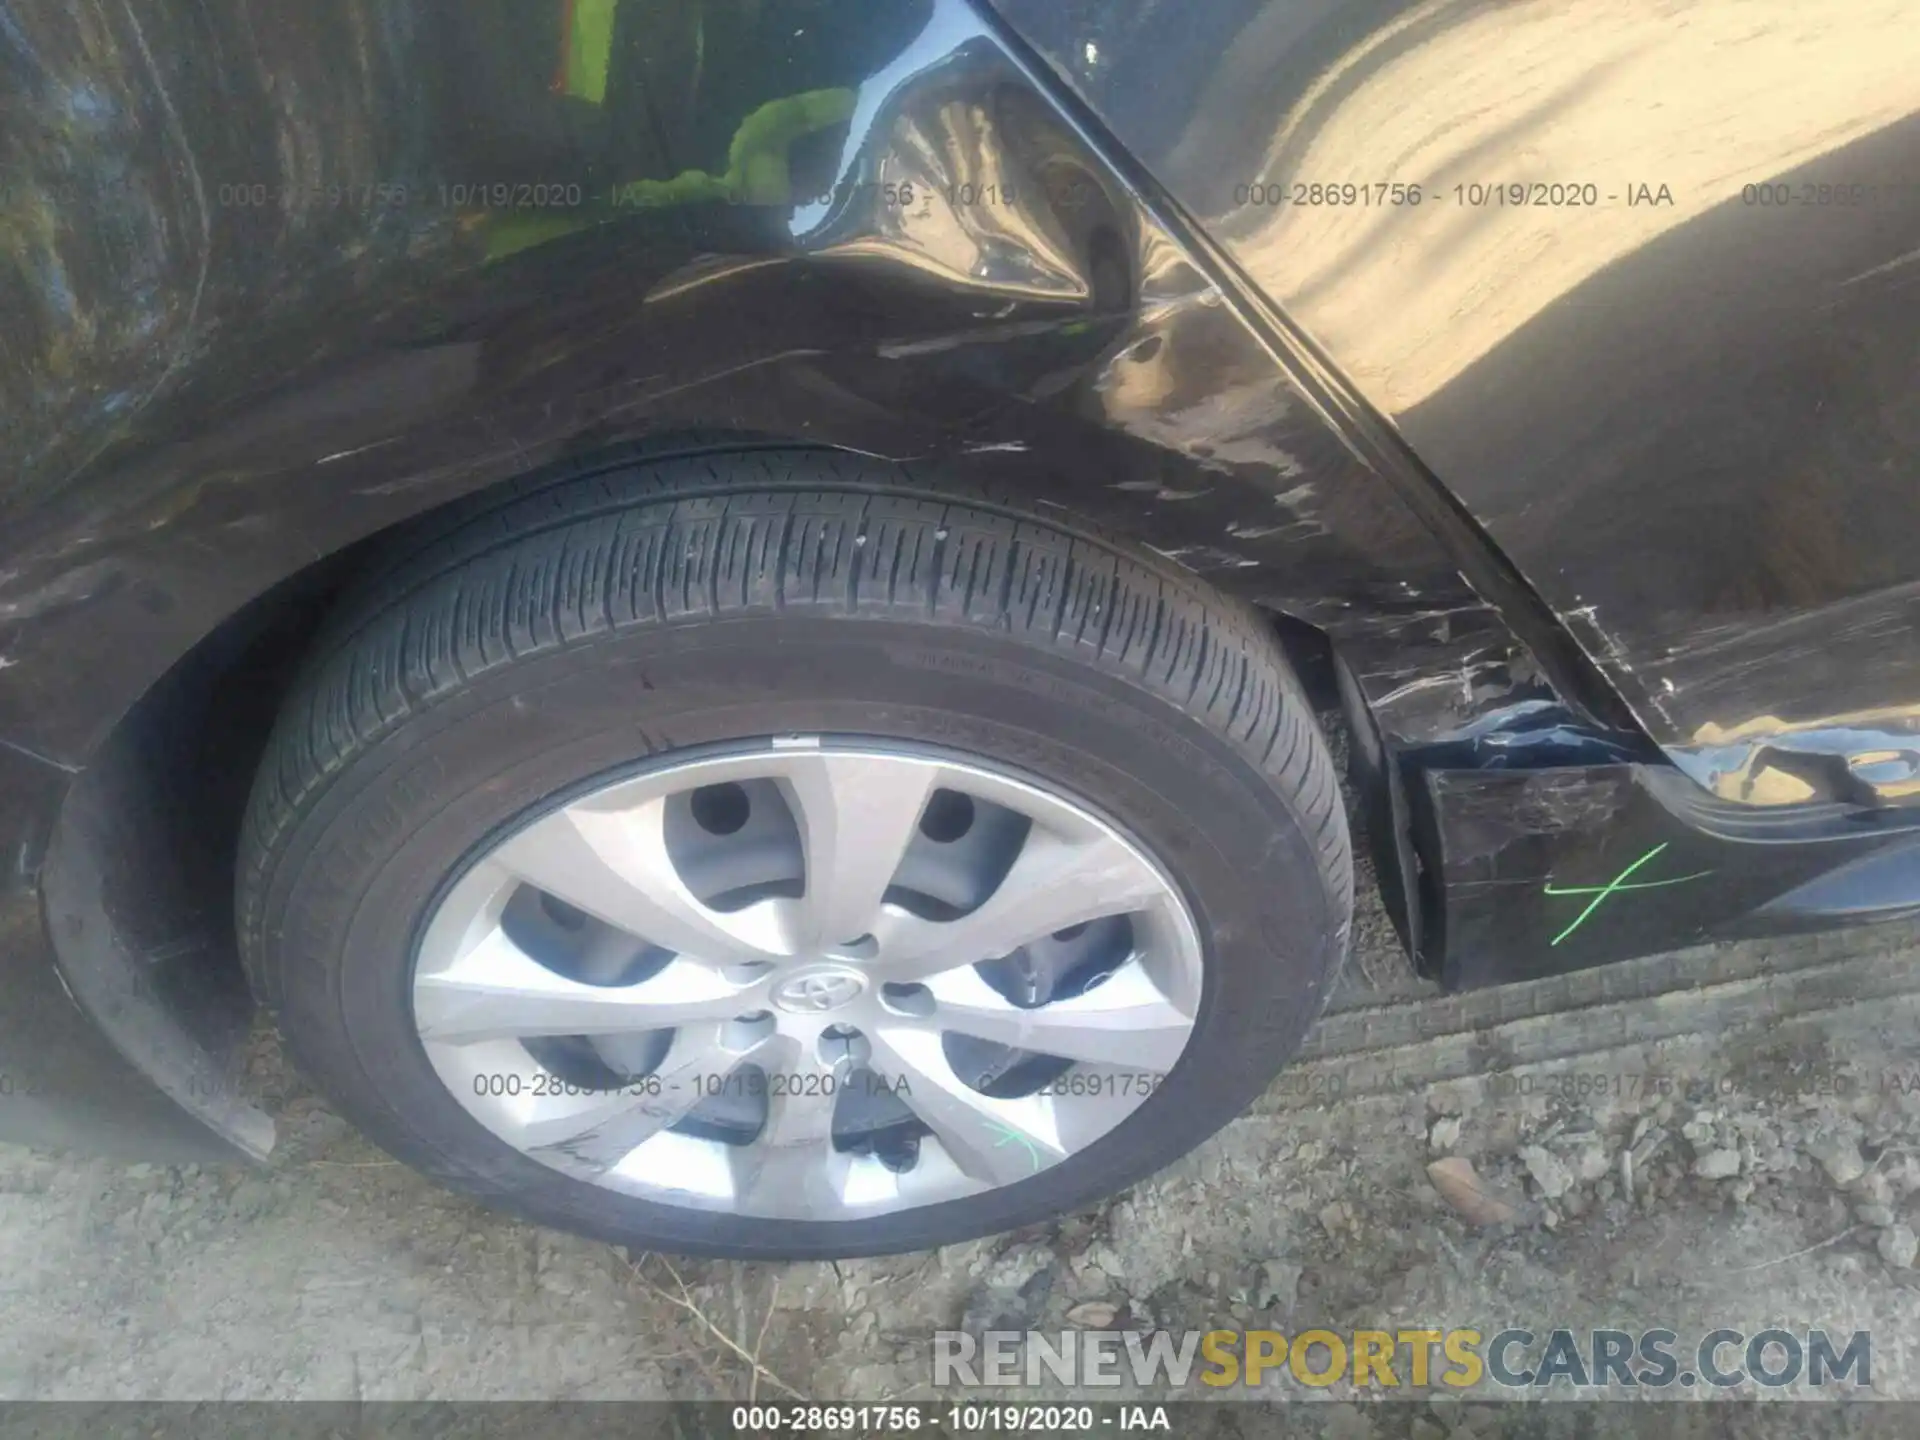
[1717, 1164]
[1549, 1172]
[1279, 1286]
[1841, 1160]
[1873, 1188]
[1897, 1246]
[1462, 1188]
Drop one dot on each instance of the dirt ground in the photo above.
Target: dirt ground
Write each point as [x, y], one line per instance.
[1759, 1092]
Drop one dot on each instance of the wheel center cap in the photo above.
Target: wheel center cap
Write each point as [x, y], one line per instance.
[818, 989]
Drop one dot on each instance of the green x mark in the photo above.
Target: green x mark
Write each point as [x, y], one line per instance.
[1007, 1133]
[1614, 886]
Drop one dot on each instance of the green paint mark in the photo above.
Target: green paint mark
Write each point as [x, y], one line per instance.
[1008, 1133]
[589, 49]
[757, 158]
[757, 174]
[1614, 886]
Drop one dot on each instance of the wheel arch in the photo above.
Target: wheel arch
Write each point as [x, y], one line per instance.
[208, 487]
[136, 881]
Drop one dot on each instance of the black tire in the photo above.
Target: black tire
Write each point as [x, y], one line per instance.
[571, 630]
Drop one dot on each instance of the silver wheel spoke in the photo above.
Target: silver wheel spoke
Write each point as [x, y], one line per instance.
[998, 1141]
[802, 1181]
[613, 864]
[1054, 884]
[791, 1164]
[798, 1116]
[1123, 1021]
[593, 1134]
[497, 990]
[857, 816]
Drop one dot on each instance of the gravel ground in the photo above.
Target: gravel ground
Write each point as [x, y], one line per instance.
[1758, 1094]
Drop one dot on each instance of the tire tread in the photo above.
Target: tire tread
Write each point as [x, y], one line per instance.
[545, 566]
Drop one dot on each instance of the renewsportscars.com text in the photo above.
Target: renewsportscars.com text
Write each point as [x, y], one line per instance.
[1389, 1359]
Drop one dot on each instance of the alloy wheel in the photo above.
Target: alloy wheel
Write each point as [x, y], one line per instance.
[808, 979]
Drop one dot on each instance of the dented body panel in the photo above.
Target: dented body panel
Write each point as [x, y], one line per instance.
[273, 286]
[1572, 866]
[1638, 282]
[978, 292]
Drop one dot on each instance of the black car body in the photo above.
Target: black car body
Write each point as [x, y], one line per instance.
[1552, 368]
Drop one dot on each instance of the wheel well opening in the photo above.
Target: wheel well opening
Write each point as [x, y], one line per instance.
[145, 848]
[137, 884]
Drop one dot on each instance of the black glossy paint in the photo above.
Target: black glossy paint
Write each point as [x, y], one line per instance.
[258, 384]
[1571, 866]
[1691, 418]
[253, 318]
[271, 284]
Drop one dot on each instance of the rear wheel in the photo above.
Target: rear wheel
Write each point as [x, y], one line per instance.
[780, 860]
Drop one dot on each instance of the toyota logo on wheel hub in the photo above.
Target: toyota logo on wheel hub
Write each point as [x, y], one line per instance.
[813, 992]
